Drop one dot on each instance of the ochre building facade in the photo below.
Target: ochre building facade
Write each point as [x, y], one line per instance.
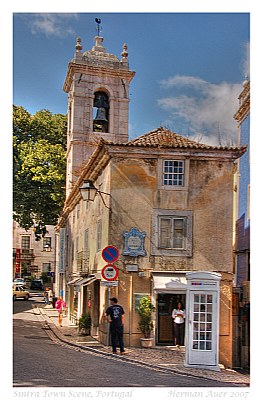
[163, 200]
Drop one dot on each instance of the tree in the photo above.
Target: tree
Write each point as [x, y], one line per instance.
[39, 166]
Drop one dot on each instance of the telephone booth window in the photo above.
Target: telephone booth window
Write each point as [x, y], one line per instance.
[202, 321]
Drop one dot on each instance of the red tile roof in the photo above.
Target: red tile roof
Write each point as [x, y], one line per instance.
[162, 137]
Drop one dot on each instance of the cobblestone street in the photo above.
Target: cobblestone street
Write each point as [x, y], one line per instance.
[165, 357]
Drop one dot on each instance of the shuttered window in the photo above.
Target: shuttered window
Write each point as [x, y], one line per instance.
[99, 234]
[172, 232]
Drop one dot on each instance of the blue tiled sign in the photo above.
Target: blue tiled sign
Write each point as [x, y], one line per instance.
[134, 243]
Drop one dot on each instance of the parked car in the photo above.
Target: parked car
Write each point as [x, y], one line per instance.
[19, 281]
[20, 292]
[37, 284]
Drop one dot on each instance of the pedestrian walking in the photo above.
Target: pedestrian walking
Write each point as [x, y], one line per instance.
[60, 305]
[50, 296]
[178, 315]
[115, 317]
[46, 295]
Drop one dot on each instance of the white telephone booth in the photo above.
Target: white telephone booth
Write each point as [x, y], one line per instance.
[202, 320]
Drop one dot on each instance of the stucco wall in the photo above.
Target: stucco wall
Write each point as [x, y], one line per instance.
[135, 192]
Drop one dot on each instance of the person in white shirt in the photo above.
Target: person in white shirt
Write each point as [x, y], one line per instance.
[178, 315]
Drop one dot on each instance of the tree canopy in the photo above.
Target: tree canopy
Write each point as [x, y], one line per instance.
[39, 166]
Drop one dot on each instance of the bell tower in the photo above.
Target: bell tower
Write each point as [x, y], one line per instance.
[97, 84]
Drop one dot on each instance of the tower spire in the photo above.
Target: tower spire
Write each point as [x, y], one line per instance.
[98, 21]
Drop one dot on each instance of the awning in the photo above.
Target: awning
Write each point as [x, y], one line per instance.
[85, 281]
[169, 282]
[73, 281]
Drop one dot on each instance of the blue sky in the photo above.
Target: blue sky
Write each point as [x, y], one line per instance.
[189, 66]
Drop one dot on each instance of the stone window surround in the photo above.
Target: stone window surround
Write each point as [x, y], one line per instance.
[160, 173]
[106, 89]
[155, 250]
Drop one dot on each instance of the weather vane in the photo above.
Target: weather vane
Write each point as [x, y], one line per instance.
[98, 21]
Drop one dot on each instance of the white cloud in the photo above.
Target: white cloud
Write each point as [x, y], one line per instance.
[245, 64]
[51, 24]
[208, 108]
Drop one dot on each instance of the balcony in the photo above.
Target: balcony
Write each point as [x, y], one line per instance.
[82, 260]
[27, 254]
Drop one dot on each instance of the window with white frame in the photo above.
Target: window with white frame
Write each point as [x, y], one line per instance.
[47, 241]
[86, 250]
[172, 232]
[25, 242]
[173, 173]
[46, 267]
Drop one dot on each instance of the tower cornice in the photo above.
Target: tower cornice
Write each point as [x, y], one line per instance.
[81, 68]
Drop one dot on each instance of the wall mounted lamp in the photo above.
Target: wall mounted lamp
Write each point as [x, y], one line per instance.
[89, 191]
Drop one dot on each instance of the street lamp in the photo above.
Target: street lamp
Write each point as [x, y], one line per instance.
[88, 192]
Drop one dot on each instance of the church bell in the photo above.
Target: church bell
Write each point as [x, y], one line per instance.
[100, 116]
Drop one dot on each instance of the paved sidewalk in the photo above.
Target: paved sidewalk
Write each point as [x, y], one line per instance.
[167, 358]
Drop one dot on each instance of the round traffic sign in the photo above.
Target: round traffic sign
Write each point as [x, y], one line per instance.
[109, 272]
[110, 254]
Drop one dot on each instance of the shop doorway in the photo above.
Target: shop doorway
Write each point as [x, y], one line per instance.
[166, 302]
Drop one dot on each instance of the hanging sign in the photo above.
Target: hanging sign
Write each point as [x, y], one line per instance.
[110, 254]
[109, 272]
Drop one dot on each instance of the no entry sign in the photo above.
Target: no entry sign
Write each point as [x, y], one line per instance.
[110, 254]
[109, 272]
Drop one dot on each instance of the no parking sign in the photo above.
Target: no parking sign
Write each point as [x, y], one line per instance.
[110, 254]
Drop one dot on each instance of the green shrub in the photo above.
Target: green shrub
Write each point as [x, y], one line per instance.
[84, 323]
[145, 310]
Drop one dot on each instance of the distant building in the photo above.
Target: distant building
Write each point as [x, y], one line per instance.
[31, 257]
[242, 236]
[164, 201]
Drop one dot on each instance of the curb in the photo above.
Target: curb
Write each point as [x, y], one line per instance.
[60, 337]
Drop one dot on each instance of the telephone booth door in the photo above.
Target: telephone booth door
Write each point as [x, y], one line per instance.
[202, 320]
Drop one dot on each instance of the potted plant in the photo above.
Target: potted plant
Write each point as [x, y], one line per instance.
[145, 323]
[84, 324]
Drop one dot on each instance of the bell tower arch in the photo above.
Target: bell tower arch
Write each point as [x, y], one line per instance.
[97, 84]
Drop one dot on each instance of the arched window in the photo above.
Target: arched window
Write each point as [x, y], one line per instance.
[101, 112]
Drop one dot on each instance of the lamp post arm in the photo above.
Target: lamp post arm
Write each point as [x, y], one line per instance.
[100, 193]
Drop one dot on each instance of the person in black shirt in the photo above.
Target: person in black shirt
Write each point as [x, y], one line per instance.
[115, 316]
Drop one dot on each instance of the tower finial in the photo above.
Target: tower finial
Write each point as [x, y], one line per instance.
[98, 21]
[124, 53]
[78, 45]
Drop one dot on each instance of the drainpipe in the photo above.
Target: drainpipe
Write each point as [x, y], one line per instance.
[130, 308]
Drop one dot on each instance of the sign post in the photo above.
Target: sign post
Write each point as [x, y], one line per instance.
[110, 273]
